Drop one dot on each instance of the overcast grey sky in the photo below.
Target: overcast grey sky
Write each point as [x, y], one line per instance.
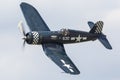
[92, 59]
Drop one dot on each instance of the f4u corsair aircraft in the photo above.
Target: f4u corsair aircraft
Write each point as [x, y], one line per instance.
[52, 41]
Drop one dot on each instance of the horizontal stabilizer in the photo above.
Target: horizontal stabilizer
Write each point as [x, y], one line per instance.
[91, 24]
[104, 41]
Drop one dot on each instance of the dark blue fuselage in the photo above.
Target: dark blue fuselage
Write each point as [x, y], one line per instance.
[63, 36]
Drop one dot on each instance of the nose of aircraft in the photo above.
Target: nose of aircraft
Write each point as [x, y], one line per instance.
[28, 38]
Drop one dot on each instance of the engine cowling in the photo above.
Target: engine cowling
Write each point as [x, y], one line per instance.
[32, 37]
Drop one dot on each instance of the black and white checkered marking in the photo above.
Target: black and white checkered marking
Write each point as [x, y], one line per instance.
[99, 27]
[35, 37]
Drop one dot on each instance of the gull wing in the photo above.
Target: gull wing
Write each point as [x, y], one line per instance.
[57, 54]
[33, 18]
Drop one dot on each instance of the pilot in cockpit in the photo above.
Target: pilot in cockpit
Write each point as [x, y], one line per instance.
[64, 32]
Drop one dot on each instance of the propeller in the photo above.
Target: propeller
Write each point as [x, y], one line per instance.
[22, 30]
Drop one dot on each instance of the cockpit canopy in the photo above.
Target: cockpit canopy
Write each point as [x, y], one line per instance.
[64, 32]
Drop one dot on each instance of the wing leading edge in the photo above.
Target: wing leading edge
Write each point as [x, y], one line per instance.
[58, 55]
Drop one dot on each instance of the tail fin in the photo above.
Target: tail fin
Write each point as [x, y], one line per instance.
[97, 28]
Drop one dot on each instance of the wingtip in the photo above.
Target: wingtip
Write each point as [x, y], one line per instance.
[75, 73]
[24, 4]
[110, 48]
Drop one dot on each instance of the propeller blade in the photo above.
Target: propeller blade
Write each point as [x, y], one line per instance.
[22, 30]
[23, 47]
[24, 44]
[21, 27]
